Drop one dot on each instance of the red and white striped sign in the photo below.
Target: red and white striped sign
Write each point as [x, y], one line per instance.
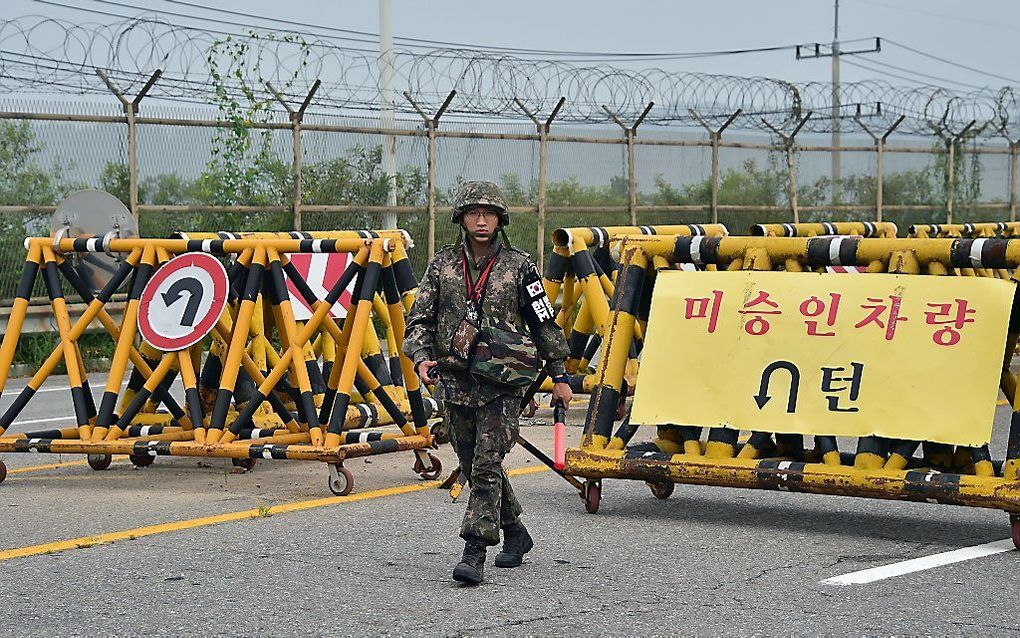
[846, 269]
[321, 271]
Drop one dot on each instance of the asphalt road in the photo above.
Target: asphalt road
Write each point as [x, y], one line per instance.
[133, 551]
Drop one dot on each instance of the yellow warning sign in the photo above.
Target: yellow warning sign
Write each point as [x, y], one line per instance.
[899, 356]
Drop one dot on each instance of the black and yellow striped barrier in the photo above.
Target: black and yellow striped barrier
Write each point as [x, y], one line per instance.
[885, 230]
[583, 270]
[977, 230]
[251, 399]
[580, 273]
[970, 231]
[878, 468]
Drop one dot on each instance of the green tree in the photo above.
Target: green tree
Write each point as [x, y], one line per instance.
[24, 182]
[115, 178]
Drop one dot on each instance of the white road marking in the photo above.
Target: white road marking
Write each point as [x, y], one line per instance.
[920, 564]
[58, 418]
[95, 388]
[45, 420]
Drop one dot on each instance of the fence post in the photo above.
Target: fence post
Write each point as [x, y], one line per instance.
[789, 143]
[431, 124]
[295, 127]
[131, 111]
[543, 135]
[715, 135]
[629, 133]
[951, 171]
[1013, 173]
[940, 129]
[879, 157]
[950, 178]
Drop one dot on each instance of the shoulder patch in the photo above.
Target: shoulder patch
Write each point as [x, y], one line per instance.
[537, 307]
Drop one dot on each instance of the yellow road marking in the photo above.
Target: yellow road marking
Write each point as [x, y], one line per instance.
[51, 466]
[162, 528]
[48, 466]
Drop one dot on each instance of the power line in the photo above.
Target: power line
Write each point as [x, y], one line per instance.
[955, 18]
[910, 78]
[424, 43]
[196, 29]
[950, 62]
[487, 47]
[925, 75]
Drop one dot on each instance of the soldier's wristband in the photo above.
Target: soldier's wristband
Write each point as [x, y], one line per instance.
[562, 378]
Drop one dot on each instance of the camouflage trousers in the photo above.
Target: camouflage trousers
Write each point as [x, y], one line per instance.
[482, 436]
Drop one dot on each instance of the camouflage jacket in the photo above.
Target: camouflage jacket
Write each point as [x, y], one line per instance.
[441, 304]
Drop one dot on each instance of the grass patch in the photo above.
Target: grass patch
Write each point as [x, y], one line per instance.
[34, 347]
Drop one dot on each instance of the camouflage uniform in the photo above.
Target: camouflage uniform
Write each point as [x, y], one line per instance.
[483, 417]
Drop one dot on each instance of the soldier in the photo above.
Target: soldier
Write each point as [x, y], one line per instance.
[483, 326]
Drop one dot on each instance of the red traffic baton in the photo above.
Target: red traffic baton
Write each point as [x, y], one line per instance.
[559, 436]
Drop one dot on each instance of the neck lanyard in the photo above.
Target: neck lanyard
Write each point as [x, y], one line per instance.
[476, 290]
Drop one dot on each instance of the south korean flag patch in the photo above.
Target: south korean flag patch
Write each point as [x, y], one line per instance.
[537, 307]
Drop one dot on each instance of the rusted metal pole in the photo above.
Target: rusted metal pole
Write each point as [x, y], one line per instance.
[631, 178]
[540, 235]
[791, 167]
[790, 145]
[431, 128]
[431, 196]
[296, 147]
[879, 160]
[543, 139]
[130, 108]
[296, 117]
[879, 177]
[543, 142]
[715, 136]
[629, 133]
[1013, 174]
[950, 178]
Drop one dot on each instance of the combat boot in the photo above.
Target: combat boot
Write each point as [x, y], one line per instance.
[472, 563]
[516, 543]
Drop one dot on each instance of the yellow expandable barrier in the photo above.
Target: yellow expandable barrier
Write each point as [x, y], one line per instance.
[879, 468]
[971, 231]
[582, 270]
[589, 251]
[977, 230]
[261, 393]
[861, 229]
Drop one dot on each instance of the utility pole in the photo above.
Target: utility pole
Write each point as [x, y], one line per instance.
[837, 173]
[387, 106]
[835, 52]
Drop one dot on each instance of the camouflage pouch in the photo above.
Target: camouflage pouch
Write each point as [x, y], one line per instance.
[462, 345]
[504, 356]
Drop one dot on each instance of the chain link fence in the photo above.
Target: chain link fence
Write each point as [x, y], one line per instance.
[194, 170]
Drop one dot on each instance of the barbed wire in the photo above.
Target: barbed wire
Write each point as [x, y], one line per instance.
[50, 55]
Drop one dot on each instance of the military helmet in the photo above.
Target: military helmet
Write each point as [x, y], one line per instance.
[479, 193]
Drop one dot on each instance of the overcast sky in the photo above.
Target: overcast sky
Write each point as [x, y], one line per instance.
[979, 34]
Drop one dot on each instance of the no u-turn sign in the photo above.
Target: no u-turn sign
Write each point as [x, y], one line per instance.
[182, 302]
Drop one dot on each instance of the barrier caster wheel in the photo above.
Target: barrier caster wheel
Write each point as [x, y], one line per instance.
[100, 462]
[1014, 521]
[440, 432]
[141, 460]
[661, 490]
[3, 471]
[592, 496]
[341, 481]
[245, 464]
[432, 472]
